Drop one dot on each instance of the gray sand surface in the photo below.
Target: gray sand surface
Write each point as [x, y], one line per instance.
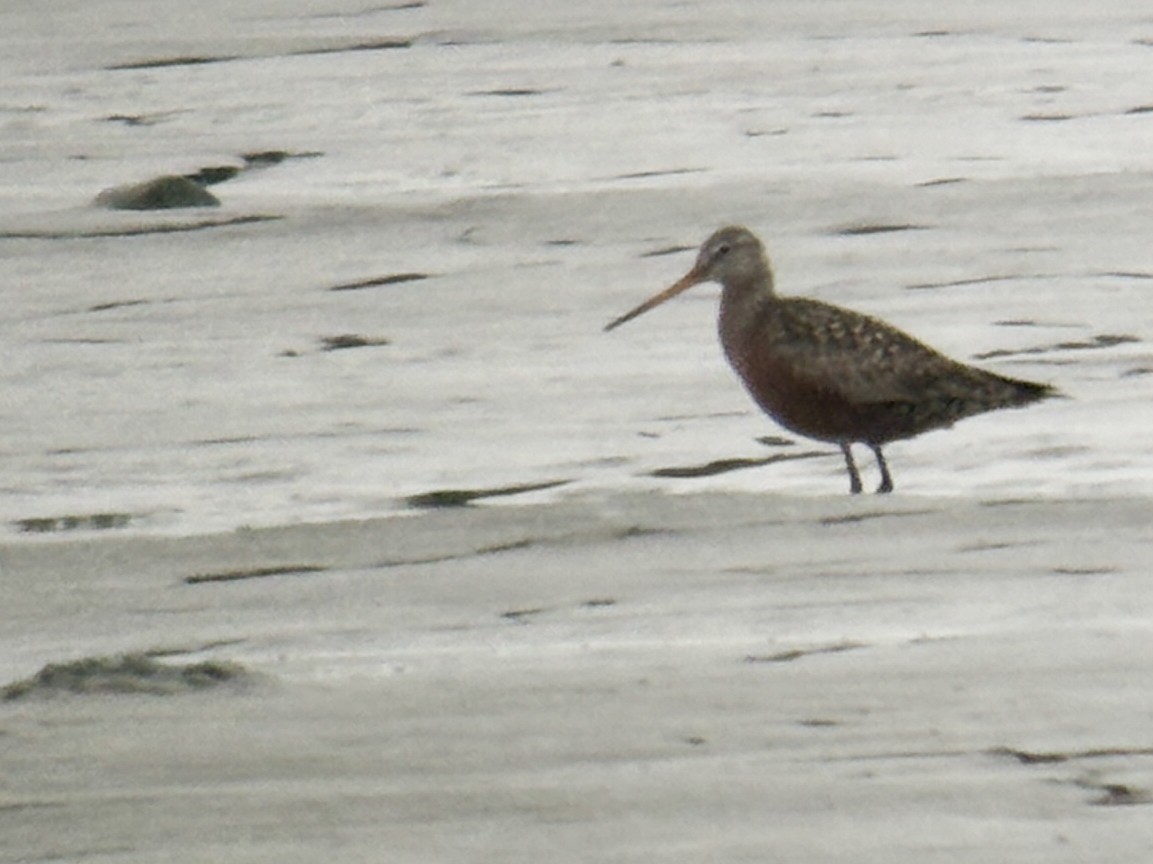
[632, 678]
[213, 423]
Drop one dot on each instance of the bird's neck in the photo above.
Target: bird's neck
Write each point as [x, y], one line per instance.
[746, 298]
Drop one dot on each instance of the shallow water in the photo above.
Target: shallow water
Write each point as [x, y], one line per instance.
[169, 372]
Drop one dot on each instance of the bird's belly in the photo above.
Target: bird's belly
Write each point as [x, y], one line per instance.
[796, 404]
[804, 405]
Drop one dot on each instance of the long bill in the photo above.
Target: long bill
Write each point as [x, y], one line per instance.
[683, 284]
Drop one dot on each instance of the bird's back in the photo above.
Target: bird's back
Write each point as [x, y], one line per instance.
[838, 375]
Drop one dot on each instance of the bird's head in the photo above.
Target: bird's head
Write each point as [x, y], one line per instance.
[732, 256]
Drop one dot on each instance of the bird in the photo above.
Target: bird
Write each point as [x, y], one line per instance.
[829, 373]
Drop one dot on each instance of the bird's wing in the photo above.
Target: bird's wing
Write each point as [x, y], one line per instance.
[861, 358]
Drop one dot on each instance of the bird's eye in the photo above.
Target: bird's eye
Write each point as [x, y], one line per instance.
[723, 250]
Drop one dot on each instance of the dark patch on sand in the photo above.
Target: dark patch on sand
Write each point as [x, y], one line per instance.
[1107, 794]
[633, 531]
[776, 441]
[957, 283]
[1116, 794]
[150, 119]
[639, 40]
[519, 615]
[865, 230]
[941, 181]
[509, 91]
[369, 45]
[253, 160]
[495, 549]
[164, 62]
[990, 546]
[666, 172]
[372, 10]
[138, 230]
[799, 653]
[234, 439]
[254, 573]
[213, 174]
[1013, 502]
[1141, 109]
[199, 648]
[1045, 118]
[205, 59]
[117, 304]
[510, 546]
[188, 190]
[464, 497]
[1049, 757]
[1127, 274]
[266, 158]
[723, 466]
[350, 340]
[599, 603]
[82, 340]
[377, 281]
[1084, 571]
[853, 518]
[86, 522]
[18, 806]
[125, 674]
[666, 250]
[1103, 340]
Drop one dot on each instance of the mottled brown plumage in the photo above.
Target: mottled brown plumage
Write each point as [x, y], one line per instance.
[830, 373]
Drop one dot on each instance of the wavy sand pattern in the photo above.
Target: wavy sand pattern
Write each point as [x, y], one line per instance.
[479, 582]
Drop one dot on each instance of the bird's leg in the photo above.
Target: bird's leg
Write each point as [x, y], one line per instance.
[854, 477]
[886, 477]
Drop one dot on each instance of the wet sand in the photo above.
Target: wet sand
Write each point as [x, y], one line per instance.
[243, 436]
[621, 678]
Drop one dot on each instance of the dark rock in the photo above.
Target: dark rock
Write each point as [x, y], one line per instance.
[162, 193]
[125, 674]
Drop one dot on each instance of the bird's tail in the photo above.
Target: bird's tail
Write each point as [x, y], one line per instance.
[1016, 392]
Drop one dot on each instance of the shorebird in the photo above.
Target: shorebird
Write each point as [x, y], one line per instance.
[830, 373]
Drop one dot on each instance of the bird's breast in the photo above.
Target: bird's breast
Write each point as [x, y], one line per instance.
[795, 397]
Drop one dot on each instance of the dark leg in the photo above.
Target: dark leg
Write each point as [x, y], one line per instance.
[854, 477]
[886, 477]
